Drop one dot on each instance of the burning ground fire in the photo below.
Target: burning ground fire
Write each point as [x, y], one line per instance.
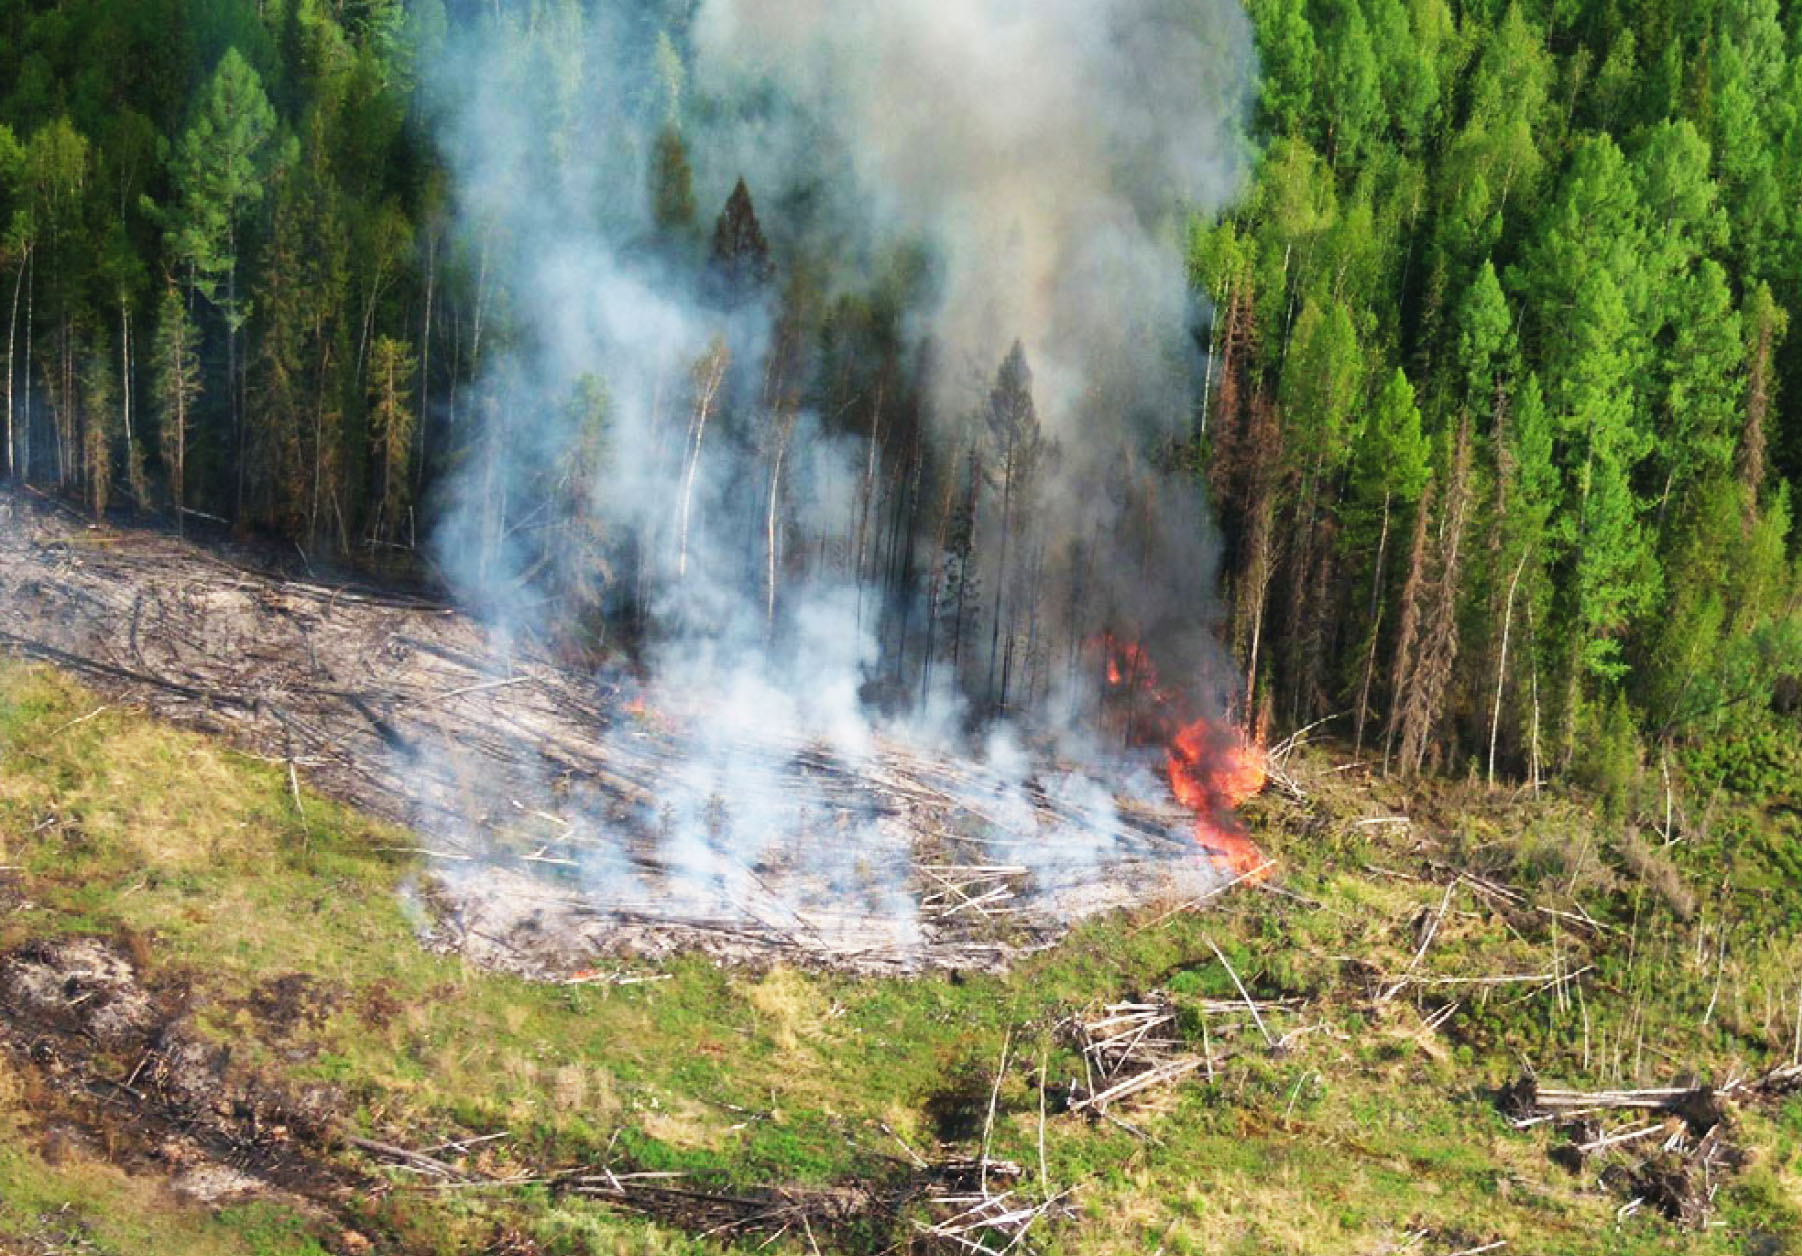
[560, 816]
[1212, 766]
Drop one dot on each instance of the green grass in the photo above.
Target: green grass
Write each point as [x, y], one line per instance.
[1370, 1128]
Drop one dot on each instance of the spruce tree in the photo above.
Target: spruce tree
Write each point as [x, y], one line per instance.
[739, 266]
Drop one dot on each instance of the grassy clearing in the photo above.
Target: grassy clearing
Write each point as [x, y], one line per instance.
[1370, 1129]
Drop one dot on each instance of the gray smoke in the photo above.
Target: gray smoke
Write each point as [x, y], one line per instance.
[1042, 155]
[1045, 149]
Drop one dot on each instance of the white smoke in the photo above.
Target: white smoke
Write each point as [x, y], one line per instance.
[1042, 154]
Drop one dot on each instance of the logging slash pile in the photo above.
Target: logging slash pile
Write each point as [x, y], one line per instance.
[1665, 1148]
[544, 800]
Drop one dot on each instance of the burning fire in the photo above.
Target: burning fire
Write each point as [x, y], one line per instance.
[1213, 771]
[1212, 767]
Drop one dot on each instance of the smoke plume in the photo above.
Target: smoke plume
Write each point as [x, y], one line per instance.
[1044, 149]
[643, 444]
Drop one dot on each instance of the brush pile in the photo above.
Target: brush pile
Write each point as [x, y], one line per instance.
[985, 1223]
[1128, 1049]
[1668, 1148]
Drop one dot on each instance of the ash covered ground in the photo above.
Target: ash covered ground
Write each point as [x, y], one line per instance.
[561, 817]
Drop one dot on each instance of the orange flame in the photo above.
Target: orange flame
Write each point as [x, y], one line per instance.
[1213, 768]
[1213, 771]
[649, 717]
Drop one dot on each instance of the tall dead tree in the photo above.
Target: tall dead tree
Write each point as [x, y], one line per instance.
[959, 588]
[1422, 704]
[392, 370]
[13, 467]
[97, 426]
[1408, 636]
[1012, 422]
[785, 369]
[177, 388]
[708, 376]
[1766, 323]
[1243, 467]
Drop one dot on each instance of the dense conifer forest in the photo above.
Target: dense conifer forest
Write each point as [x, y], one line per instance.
[1498, 419]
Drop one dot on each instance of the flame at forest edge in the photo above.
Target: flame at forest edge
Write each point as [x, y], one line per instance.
[1213, 767]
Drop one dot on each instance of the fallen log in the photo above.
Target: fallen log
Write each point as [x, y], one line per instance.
[409, 1158]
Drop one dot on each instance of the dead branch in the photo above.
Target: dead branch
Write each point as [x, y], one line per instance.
[1243, 993]
[410, 1159]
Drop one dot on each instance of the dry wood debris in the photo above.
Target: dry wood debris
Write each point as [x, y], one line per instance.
[956, 1205]
[1672, 1154]
[1127, 1049]
[557, 811]
[990, 1224]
